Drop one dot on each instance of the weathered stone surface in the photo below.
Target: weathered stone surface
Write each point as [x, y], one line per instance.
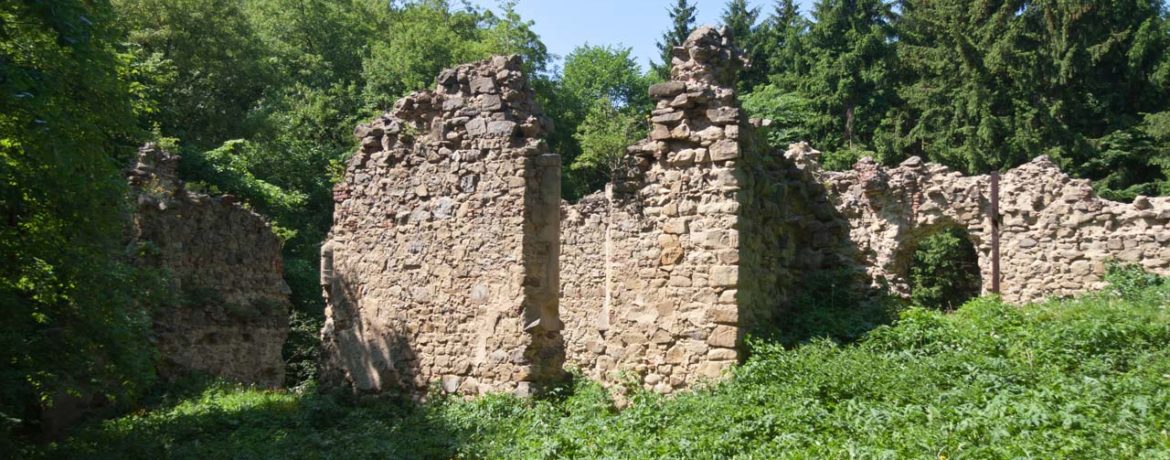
[663, 247]
[724, 150]
[667, 89]
[450, 263]
[1055, 229]
[224, 263]
[441, 265]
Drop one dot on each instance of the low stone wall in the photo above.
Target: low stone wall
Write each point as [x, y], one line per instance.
[224, 264]
[442, 264]
[1056, 235]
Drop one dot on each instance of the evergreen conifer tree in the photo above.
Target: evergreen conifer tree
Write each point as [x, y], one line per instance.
[782, 45]
[741, 21]
[682, 18]
[851, 52]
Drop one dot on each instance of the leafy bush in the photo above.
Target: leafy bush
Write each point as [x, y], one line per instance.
[1082, 378]
[1130, 281]
[944, 270]
[72, 320]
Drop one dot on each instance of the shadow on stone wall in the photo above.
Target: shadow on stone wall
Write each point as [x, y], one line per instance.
[793, 237]
[366, 359]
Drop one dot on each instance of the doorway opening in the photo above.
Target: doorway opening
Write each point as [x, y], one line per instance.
[944, 270]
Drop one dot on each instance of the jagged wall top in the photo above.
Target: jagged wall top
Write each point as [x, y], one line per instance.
[155, 167]
[492, 99]
[707, 56]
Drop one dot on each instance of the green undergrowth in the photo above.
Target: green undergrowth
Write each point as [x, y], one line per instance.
[1083, 378]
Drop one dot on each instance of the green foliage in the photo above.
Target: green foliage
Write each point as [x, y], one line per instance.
[1066, 379]
[1131, 281]
[944, 270]
[72, 314]
[227, 169]
[422, 38]
[682, 20]
[302, 350]
[740, 20]
[1067, 79]
[787, 110]
[596, 81]
[983, 85]
[851, 55]
[1133, 161]
[604, 135]
[209, 71]
[783, 44]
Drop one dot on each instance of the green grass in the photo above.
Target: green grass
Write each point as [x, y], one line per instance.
[1084, 378]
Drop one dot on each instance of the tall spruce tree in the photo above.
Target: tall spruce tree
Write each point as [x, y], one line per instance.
[992, 84]
[851, 54]
[782, 44]
[741, 21]
[682, 18]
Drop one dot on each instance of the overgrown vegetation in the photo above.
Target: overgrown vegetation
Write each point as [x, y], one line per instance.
[944, 270]
[71, 316]
[1084, 378]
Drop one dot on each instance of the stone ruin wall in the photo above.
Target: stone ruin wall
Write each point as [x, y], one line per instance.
[653, 286]
[442, 264]
[230, 318]
[445, 263]
[1056, 234]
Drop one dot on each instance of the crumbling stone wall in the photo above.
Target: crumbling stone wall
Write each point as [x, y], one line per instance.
[230, 316]
[1056, 235]
[665, 270]
[442, 264]
[452, 259]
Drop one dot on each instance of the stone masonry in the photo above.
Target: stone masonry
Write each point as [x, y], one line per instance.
[442, 264]
[453, 262]
[230, 314]
[1056, 235]
[662, 273]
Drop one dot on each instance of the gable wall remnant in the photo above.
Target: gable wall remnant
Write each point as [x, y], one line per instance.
[224, 264]
[442, 264]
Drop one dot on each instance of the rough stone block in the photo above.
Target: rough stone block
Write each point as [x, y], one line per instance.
[727, 149]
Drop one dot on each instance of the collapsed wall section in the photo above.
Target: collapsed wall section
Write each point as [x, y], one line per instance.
[230, 318]
[1056, 234]
[442, 263]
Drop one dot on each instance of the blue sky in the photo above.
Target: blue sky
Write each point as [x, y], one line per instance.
[638, 24]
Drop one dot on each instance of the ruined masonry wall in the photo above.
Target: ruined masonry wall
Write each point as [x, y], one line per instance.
[453, 261]
[652, 270]
[224, 262]
[1056, 234]
[442, 264]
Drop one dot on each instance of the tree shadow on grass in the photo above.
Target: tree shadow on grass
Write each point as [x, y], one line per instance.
[229, 421]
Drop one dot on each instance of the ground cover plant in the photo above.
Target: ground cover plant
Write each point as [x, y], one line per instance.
[1080, 378]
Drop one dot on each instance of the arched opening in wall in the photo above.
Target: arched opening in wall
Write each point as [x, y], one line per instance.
[944, 269]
